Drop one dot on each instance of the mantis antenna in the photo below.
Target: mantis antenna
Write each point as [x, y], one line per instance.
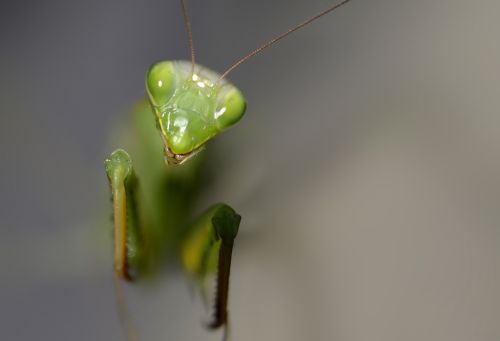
[187, 25]
[281, 36]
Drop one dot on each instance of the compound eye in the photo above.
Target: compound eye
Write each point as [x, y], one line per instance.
[231, 109]
[160, 83]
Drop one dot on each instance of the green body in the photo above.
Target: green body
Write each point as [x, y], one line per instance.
[153, 200]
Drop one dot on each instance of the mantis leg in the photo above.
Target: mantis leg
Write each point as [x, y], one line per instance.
[125, 215]
[208, 249]
[123, 184]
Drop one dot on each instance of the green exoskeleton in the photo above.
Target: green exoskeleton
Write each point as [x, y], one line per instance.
[152, 194]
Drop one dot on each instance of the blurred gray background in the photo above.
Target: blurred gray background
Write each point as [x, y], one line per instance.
[366, 169]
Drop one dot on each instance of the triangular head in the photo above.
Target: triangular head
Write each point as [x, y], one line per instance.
[192, 105]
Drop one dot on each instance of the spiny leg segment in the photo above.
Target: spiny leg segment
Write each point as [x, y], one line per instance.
[208, 250]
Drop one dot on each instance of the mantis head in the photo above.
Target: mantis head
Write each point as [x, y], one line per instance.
[191, 105]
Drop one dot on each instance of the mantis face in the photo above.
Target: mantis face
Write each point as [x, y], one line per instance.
[191, 107]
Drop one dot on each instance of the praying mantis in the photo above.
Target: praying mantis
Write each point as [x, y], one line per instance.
[152, 194]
